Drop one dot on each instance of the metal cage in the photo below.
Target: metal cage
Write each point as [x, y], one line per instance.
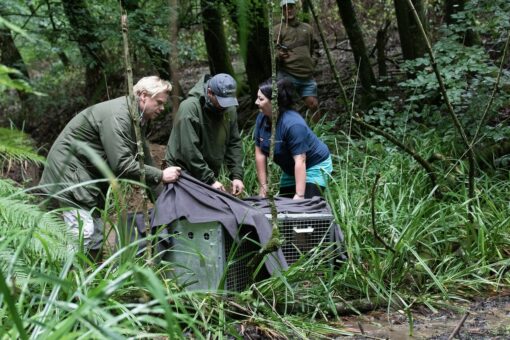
[206, 257]
[304, 232]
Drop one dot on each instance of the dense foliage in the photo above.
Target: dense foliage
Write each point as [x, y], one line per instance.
[408, 242]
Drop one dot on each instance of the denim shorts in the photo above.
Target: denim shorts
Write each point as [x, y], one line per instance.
[305, 87]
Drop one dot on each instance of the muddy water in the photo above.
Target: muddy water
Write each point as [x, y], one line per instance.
[487, 319]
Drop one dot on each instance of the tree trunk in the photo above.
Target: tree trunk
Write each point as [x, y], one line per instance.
[255, 49]
[359, 49]
[411, 40]
[174, 57]
[9, 53]
[452, 7]
[381, 40]
[10, 56]
[214, 35]
[160, 60]
[83, 32]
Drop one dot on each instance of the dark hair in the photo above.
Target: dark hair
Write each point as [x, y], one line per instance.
[285, 92]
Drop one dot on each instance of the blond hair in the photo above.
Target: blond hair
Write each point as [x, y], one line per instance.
[152, 85]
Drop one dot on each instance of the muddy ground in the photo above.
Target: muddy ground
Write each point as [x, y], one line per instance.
[487, 318]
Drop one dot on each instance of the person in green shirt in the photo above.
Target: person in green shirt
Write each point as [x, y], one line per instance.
[105, 129]
[294, 42]
[205, 134]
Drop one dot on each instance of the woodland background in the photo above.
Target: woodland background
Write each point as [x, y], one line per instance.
[415, 113]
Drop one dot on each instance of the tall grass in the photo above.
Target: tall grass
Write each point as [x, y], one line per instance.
[430, 255]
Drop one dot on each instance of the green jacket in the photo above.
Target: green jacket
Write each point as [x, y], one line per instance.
[201, 141]
[107, 129]
[298, 38]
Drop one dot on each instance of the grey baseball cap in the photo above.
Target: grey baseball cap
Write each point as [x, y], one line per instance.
[287, 2]
[224, 88]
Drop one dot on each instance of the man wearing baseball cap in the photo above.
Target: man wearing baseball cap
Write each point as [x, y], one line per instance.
[205, 134]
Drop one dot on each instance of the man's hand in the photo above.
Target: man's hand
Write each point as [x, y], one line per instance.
[237, 187]
[171, 174]
[217, 185]
[283, 54]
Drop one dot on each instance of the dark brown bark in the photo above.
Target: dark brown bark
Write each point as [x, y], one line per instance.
[159, 59]
[53, 35]
[353, 29]
[173, 58]
[256, 55]
[11, 57]
[9, 53]
[214, 35]
[381, 40]
[411, 40]
[452, 7]
[82, 31]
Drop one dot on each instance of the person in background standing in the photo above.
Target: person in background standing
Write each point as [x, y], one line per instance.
[294, 43]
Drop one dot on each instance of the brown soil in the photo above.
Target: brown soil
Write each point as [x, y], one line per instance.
[488, 318]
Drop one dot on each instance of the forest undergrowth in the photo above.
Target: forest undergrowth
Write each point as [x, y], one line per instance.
[419, 189]
[405, 247]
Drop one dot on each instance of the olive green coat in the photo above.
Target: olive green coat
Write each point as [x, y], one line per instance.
[201, 141]
[297, 37]
[106, 131]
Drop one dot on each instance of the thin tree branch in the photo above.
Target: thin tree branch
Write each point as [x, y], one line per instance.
[459, 326]
[426, 165]
[456, 121]
[328, 54]
[136, 124]
[494, 90]
[275, 241]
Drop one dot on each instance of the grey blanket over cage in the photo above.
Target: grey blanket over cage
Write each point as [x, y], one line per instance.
[198, 202]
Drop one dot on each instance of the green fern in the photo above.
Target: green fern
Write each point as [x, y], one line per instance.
[47, 237]
[9, 188]
[15, 145]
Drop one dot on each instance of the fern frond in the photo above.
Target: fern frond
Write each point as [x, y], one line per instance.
[15, 145]
[48, 234]
[9, 188]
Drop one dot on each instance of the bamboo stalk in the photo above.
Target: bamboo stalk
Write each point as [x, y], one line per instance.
[138, 133]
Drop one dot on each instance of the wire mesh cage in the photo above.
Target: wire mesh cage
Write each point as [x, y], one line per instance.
[304, 232]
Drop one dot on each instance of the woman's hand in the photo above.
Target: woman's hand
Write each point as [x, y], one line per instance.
[263, 191]
[298, 197]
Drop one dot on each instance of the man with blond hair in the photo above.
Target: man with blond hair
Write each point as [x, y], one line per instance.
[103, 131]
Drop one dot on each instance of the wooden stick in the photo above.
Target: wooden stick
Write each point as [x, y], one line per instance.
[459, 326]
